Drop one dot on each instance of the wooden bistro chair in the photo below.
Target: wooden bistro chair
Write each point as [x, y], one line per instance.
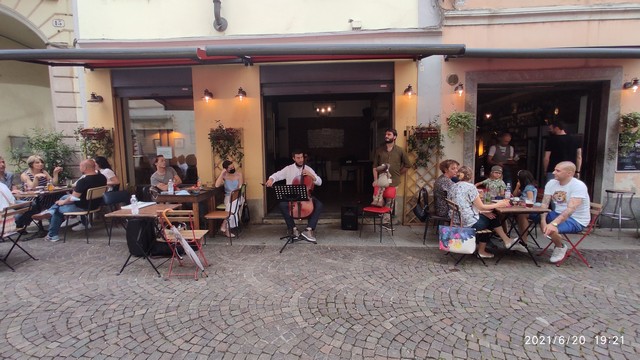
[94, 201]
[234, 211]
[454, 211]
[376, 212]
[595, 210]
[9, 231]
[182, 220]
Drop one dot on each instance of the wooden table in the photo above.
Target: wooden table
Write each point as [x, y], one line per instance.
[194, 198]
[511, 213]
[149, 213]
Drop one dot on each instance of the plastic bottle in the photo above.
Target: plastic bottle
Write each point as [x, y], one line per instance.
[134, 205]
[482, 170]
[487, 197]
[170, 187]
[507, 192]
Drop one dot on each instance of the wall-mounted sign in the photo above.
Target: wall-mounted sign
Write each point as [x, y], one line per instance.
[57, 22]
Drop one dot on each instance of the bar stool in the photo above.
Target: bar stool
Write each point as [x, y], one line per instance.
[616, 214]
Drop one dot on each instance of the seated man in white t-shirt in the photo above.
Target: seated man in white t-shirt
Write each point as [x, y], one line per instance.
[572, 207]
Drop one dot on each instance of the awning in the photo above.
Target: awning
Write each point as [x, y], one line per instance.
[225, 54]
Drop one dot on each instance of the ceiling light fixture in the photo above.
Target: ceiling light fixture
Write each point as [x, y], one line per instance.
[241, 94]
[95, 98]
[324, 108]
[633, 84]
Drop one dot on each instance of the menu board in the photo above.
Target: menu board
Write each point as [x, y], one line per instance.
[630, 161]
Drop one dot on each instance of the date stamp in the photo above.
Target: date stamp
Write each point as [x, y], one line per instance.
[598, 340]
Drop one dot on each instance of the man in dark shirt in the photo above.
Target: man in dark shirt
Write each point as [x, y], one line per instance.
[77, 201]
[561, 147]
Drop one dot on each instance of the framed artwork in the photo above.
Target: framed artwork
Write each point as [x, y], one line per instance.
[178, 143]
[156, 143]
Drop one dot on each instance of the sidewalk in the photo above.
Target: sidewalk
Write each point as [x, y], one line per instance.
[344, 298]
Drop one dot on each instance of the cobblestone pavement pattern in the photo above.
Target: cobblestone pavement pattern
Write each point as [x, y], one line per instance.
[317, 302]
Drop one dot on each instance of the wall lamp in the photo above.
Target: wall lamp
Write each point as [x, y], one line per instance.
[95, 98]
[324, 109]
[409, 91]
[241, 94]
[633, 84]
[459, 89]
[207, 95]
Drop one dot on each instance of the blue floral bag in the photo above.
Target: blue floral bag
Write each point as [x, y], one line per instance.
[459, 240]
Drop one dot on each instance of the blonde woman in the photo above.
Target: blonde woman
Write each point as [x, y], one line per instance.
[36, 175]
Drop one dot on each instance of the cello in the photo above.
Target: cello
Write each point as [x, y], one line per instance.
[302, 209]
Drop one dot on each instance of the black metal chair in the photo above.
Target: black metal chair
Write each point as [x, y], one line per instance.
[113, 200]
[433, 217]
[10, 231]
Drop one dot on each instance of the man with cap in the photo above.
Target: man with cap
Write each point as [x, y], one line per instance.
[494, 183]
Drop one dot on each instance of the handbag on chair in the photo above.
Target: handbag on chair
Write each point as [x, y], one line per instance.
[459, 240]
[421, 211]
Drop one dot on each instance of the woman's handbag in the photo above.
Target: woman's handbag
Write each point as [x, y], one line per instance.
[246, 217]
[459, 240]
[421, 211]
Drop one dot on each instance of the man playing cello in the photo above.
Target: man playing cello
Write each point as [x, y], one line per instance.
[299, 173]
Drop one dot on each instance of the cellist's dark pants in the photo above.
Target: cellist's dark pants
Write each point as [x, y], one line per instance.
[313, 219]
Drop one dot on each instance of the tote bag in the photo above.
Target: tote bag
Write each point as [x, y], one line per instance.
[459, 240]
[421, 211]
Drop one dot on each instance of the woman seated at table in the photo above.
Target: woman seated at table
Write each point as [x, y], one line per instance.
[527, 191]
[474, 213]
[232, 180]
[104, 167]
[36, 175]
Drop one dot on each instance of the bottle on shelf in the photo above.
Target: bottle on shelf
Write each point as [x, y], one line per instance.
[482, 170]
[135, 209]
[170, 187]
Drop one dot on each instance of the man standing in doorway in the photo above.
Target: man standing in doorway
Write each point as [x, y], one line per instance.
[561, 147]
[398, 161]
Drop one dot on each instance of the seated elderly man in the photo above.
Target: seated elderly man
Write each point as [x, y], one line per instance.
[571, 213]
[77, 201]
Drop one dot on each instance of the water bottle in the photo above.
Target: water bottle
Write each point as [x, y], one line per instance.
[482, 170]
[170, 187]
[134, 205]
[507, 192]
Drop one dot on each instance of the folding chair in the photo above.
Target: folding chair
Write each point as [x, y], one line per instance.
[235, 201]
[9, 231]
[379, 212]
[454, 210]
[595, 210]
[178, 225]
[113, 200]
[433, 217]
[94, 200]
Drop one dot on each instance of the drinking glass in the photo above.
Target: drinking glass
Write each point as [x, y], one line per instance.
[528, 203]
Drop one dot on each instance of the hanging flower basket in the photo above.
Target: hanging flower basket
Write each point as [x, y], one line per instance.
[428, 132]
[226, 142]
[94, 133]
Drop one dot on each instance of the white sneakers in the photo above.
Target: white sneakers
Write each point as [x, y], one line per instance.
[558, 253]
[80, 227]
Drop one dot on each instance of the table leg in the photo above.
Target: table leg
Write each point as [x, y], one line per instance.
[196, 215]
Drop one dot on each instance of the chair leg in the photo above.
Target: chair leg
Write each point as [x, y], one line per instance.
[66, 228]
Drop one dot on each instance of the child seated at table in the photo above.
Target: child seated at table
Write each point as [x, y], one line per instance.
[494, 183]
[528, 192]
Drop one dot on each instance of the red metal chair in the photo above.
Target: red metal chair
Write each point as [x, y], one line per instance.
[378, 212]
[595, 210]
[182, 222]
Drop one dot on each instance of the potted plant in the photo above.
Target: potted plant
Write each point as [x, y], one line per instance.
[95, 142]
[460, 122]
[226, 142]
[629, 134]
[426, 142]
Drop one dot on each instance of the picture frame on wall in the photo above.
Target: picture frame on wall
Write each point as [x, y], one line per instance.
[178, 143]
[156, 143]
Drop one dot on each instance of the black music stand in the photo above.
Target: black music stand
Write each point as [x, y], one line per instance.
[290, 193]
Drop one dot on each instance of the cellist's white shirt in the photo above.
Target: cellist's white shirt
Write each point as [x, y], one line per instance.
[291, 172]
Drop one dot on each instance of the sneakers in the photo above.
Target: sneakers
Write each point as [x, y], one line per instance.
[558, 253]
[520, 248]
[295, 233]
[81, 227]
[386, 226]
[45, 215]
[52, 238]
[308, 235]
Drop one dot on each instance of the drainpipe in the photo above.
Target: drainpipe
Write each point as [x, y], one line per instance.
[220, 23]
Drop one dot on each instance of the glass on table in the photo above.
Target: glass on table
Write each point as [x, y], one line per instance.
[528, 203]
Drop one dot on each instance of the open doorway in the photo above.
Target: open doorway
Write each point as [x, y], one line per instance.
[524, 111]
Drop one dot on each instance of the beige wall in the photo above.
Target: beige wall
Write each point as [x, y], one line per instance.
[97, 18]
[506, 4]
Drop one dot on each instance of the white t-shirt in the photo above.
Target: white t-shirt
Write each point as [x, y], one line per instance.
[6, 198]
[560, 195]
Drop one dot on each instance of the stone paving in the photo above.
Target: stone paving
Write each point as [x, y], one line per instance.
[351, 299]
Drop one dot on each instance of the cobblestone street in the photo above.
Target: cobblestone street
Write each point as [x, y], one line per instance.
[324, 301]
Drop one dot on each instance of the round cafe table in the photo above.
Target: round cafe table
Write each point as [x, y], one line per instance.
[617, 212]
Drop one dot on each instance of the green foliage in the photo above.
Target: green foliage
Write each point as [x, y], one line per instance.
[226, 143]
[50, 146]
[629, 133]
[426, 143]
[460, 122]
[94, 142]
